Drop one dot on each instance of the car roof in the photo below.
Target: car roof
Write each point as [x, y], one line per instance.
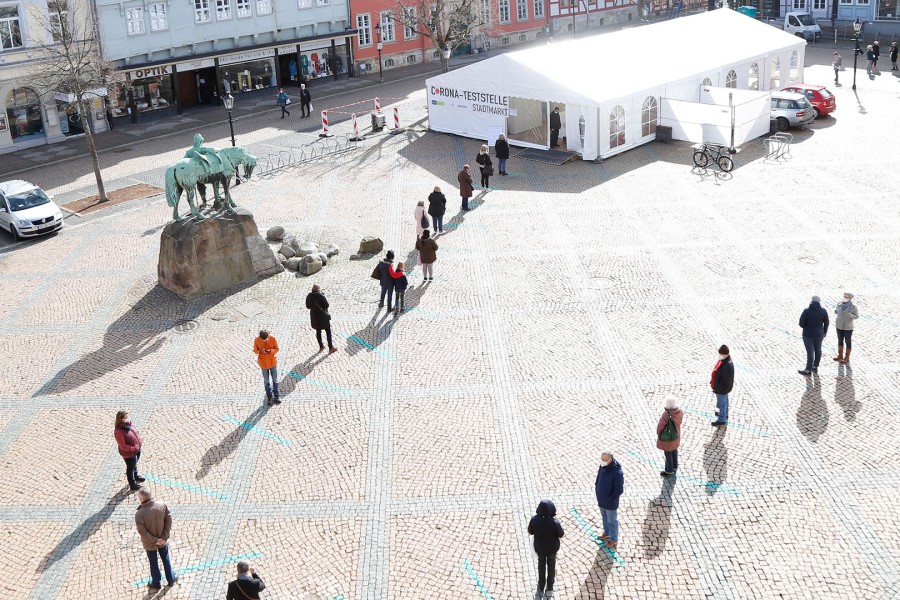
[788, 95]
[14, 186]
[805, 86]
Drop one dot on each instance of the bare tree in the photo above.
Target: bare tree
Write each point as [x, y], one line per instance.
[71, 62]
[447, 23]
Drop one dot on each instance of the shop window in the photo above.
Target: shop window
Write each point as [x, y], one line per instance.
[795, 67]
[521, 10]
[159, 18]
[134, 20]
[263, 7]
[249, 76]
[317, 63]
[364, 26]
[538, 9]
[411, 58]
[59, 18]
[150, 93]
[244, 9]
[617, 127]
[388, 34]
[523, 38]
[775, 73]
[753, 81]
[201, 11]
[886, 9]
[731, 79]
[410, 33]
[389, 62]
[70, 121]
[23, 111]
[649, 116]
[223, 10]
[10, 29]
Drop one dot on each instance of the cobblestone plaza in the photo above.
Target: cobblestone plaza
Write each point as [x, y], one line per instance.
[564, 308]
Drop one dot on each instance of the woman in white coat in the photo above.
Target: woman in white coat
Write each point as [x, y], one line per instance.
[420, 212]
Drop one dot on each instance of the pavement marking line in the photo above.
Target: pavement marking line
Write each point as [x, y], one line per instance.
[206, 565]
[476, 580]
[423, 311]
[257, 430]
[710, 416]
[880, 320]
[620, 562]
[327, 386]
[186, 486]
[792, 380]
[707, 484]
[368, 346]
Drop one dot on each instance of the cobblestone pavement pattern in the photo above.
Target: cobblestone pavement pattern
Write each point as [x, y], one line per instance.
[564, 308]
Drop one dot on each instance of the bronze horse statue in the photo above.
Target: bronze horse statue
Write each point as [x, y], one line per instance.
[190, 174]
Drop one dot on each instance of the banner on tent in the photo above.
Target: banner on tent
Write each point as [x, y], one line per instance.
[461, 99]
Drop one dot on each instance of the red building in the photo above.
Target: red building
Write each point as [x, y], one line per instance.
[509, 22]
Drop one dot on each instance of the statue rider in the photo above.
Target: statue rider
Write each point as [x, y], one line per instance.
[199, 151]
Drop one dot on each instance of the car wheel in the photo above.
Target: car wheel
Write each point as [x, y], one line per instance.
[15, 233]
[816, 112]
[782, 124]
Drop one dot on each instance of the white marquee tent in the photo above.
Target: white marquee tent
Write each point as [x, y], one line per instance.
[613, 89]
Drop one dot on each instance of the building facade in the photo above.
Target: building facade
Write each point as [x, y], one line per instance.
[181, 54]
[569, 16]
[32, 114]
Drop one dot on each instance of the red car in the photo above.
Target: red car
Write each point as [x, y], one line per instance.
[818, 95]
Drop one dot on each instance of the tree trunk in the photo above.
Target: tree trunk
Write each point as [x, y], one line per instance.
[92, 147]
[445, 63]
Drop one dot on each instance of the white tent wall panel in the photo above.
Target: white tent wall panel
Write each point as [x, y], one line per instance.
[695, 122]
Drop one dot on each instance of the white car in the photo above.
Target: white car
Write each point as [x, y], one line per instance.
[26, 210]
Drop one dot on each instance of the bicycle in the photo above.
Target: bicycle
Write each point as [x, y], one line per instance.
[705, 151]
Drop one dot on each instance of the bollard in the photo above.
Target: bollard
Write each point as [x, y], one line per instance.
[378, 105]
[355, 137]
[396, 128]
[324, 124]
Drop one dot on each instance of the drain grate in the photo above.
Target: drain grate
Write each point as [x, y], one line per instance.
[186, 326]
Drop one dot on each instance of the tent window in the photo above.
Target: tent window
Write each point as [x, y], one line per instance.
[795, 68]
[617, 127]
[775, 74]
[731, 79]
[706, 81]
[753, 82]
[649, 116]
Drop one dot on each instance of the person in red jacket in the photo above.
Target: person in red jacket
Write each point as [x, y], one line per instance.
[266, 347]
[669, 446]
[129, 441]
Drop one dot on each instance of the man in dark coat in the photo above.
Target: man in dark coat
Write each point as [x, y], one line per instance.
[555, 126]
[319, 317]
[501, 149]
[437, 206]
[609, 486]
[547, 530]
[814, 321]
[465, 186]
[305, 100]
[387, 280]
[247, 586]
[722, 382]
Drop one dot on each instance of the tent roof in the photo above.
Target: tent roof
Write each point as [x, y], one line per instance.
[606, 67]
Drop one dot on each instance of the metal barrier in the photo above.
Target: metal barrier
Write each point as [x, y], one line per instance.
[778, 146]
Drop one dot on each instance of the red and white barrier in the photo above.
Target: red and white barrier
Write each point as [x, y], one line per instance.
[355, 126]
[324, 124]
[396, 118]
[377, 105]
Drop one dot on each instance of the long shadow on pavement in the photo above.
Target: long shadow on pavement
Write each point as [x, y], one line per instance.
[715, 461]
[594, 585]
[812, 414]
[288, 383]
[658, 520]
[229, 443]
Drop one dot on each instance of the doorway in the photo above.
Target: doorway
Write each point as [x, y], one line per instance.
[187, 89]
[528, 123]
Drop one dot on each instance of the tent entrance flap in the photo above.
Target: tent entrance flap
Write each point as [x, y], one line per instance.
[528, 123]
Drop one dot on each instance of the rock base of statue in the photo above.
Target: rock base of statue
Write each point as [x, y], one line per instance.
[224, 249]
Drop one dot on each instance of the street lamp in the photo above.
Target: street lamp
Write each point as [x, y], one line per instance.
[446, 52]
[228, 100]
[379, 47]
[857, 26]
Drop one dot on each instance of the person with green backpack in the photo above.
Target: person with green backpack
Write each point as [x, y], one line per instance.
[668, 434]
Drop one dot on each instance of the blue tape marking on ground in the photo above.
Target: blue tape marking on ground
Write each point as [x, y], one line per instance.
[424, 312]
[206, 565]
[327, 386]
[880, 320]
[185, 486]
[707, 484]
[256, 430]
[369, 346]
[593, 535]
[474, 577]
[710, 416]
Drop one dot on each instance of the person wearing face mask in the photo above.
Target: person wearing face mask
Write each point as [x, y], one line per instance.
[608, 487]
[722, 383]
[129, 441]
[846, 315]
[814, 321]
[266, 347]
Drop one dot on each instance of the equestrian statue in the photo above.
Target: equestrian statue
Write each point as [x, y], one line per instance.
[203, 165]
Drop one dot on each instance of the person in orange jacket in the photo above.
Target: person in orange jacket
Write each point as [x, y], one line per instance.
[266, 347]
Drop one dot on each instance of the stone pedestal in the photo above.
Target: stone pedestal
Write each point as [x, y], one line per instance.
[201, 257]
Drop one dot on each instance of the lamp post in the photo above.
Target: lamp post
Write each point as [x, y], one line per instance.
[446, 52]
[380, 46]
[229, 104]
[857, 27]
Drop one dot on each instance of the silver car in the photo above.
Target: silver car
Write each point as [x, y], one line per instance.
[27, 211]
[790, 109]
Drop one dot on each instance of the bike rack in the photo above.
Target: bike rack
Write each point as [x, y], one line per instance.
[294, 156]
[778, 146]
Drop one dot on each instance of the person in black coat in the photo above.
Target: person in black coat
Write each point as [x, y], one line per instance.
[437, 206]
[555, 126]
[319, 317]
[247, 586]
[501, 149]
[487, 166]
[385, 268]
[305, 101]
[722, 382]
[547, 530]
[814, 321]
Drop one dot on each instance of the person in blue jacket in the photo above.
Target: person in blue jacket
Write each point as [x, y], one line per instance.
[814, 321]
[609, 487]
[547, 530]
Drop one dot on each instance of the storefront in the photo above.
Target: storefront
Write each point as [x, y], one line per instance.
[247, 72]
[195, 82]
[152, 95]
[23, 115]
[323, 58]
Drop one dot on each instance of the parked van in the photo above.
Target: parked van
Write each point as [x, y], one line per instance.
[802, 24]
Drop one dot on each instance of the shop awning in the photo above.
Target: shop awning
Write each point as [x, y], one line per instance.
[88, 95]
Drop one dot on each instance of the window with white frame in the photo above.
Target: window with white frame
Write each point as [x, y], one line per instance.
[304, 3]
[617, 127]
[731, 79]
[59, 18]
[521, 10]
[321, 2]
[223, 10]
[387, 27]
[244, 9]
[410, 33]
[753, 77]
[485, 12]
[503, 11]
[846, 1]
[201, 11]
[538, 9]
[862, 2]
[10, 28]
[818, 4]
[159, 19]
[134, 20]
[649, 116]
[263, 7]
[775, 73]
[799, 4]
[364, 27]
